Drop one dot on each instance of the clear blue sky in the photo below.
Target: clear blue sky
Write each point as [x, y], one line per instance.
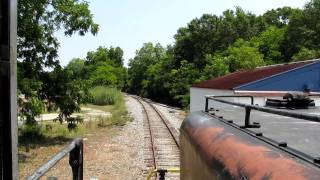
[130, 23]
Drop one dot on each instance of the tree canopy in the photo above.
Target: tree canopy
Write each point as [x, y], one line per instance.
[213, 45]
[37, 49]
[207, 47]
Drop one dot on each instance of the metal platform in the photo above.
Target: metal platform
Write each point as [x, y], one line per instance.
[299, 134]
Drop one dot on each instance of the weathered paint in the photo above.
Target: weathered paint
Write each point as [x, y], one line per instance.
[233, 154]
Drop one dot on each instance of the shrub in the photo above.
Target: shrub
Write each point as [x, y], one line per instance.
[31, 132]
[104, 95]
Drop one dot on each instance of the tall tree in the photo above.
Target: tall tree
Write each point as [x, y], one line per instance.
[38, 47]
[211, 33]
[280, 17]
[148, 55]
[243, 55]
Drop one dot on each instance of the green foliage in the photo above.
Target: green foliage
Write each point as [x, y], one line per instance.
[270, 42]
[31, 132]
[212, 33]
[216, 66]
[104, 67]
[32, 107]
[138, 73]
[182, 79]
[66, 93]
[37, 49]
[76, 68]
[306, 54]
[212, 45]
[242, 55]
[105, 95]
[280, 17]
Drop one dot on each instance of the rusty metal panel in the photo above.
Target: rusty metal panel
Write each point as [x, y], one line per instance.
[233, 154]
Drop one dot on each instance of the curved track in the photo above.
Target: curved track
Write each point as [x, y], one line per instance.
[161, 146]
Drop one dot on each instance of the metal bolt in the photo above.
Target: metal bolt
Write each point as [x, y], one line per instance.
[282, 144]
[316, 160]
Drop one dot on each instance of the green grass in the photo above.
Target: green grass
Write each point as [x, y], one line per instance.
[50, 133]
[118, 111]
[105, 95]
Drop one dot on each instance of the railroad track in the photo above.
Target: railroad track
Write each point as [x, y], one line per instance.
[161, 144]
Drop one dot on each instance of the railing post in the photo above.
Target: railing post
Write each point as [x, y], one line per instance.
[162, 174]
[247, 117]
[207, 104]
[76, 160]
[247, 123]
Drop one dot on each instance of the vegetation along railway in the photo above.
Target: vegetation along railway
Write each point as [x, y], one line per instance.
[161, 146]
[213, 142]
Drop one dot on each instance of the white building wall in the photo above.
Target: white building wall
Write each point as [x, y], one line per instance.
[198, 101]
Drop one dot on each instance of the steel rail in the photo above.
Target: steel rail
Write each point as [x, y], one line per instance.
[150, 133]
[174, 134]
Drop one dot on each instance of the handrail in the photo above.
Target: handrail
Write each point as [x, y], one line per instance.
[227, 96]
[248, 108]
[282, 145]
[75, 148]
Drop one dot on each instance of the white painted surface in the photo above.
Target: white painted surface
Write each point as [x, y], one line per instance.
[197, 98]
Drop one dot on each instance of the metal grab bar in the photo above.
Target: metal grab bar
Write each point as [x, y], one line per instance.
[249, 107]
[75, 148]
[226, 96]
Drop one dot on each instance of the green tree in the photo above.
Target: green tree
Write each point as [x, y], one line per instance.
[216, 66]
[138, 67]
[306, 54]
[280, 17]
[270, 43]
[37, 46]
[104, 67]
[181, 80]
[243, 55]
[303, 30]
[76, 68]
[210, 33]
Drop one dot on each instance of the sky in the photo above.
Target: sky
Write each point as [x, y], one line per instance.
[130, 23]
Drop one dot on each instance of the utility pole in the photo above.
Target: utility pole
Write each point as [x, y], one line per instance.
[8, 90]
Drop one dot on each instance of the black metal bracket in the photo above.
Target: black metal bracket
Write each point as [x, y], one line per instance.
[162, 173]
[247, 108]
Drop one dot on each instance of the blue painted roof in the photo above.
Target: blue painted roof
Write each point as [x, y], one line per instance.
[303, 78]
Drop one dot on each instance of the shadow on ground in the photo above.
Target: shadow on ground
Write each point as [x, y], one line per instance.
[28, 142]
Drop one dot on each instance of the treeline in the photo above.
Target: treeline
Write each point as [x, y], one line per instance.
[211, 46]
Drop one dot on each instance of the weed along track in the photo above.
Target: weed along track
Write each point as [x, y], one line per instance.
[161, 145]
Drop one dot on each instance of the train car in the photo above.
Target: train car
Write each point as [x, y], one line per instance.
[227, 147]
